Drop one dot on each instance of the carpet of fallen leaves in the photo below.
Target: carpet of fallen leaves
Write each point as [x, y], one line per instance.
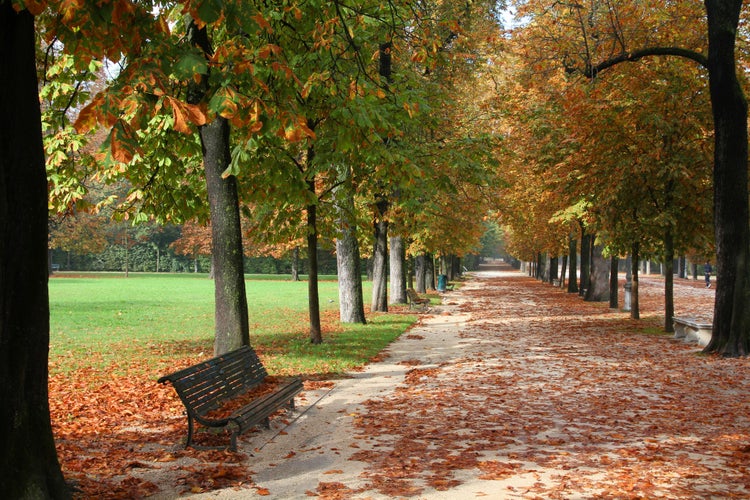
[561, 398]
[575, 398]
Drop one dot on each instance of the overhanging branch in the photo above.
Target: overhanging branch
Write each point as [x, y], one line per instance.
[636, 55]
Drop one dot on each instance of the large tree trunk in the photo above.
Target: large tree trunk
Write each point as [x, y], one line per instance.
[28, 460]
[731, 324]
[232, 329]
[380, 260]
[614, 264]
[598, 289]
[573, 270]
[397, 269]
[553, 269]
[429, 272]
[668, 280]
[313, 300]
[351, 301]
[295, 264]
[585, 262]
[420, 268]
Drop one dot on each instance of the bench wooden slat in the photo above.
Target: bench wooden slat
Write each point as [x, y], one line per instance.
[259, 410]
[210, 388]
[209, 385]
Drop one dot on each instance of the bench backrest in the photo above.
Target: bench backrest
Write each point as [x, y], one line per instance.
[207, 385]
[412, 294]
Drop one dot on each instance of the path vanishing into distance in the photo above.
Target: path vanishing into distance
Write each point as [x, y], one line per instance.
[516, 389]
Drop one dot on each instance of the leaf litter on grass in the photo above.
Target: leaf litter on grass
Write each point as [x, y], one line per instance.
[561, 392]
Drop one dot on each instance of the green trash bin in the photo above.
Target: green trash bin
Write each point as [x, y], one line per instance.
[442, 282]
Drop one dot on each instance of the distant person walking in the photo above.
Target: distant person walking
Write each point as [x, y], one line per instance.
[707, 271]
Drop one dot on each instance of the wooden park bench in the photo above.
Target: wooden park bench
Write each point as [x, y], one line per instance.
[208, 387]
[415, 300]
[691, 330]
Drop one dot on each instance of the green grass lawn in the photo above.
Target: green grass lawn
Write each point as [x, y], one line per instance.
[109, 322]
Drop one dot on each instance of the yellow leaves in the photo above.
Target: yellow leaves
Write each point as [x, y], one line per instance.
[315, 78]
[89, 116]
[185, 114]
[411, 109]
[355, 90]
[296, 130]
[69, 9]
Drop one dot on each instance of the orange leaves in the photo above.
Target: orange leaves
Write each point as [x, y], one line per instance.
[33, 6]
[411, 109]
[296, 129]
[262, 22]
[122, 11]
[553, 397]
[268, 50]
[123, 142]
[69, 9]
[186, 114]
[238, 109]
[89, 115]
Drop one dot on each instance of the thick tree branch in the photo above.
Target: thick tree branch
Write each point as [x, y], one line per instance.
[636, 55]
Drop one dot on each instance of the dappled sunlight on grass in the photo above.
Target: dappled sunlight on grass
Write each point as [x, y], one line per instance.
[146, 323]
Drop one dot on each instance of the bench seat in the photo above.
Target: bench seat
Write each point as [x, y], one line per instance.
[209, 386]
[692, 330]
[415, 301]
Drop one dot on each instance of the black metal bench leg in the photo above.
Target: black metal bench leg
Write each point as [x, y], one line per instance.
[189, 442]
[233, 442]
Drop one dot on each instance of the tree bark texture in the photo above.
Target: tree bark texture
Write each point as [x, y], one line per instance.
[380, 265]
[429, 272]
[397, 270]
[28, 460]
[553, 269]
[614, 264]
[420, 269]
[585, 262]
[573, 269]
[349, 266]
[668, 280]
[598, 289]
[313, 300]
[731, 324]
[295, 264]
[232, 328]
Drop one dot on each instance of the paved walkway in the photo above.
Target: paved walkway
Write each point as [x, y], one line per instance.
[516, 389]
